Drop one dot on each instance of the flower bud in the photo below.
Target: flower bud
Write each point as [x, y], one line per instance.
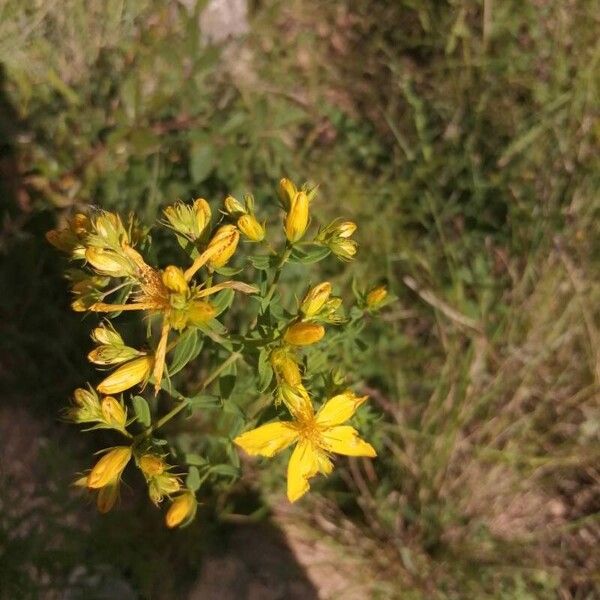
[233, 207]
[287, 191]
[315, 299]
[109, 228]
[224, 244]
[200, 311]
[296, 220]
[182, 510]
[106, 334]
[296, 398]
[112, 355]
[113, 412]
[344, 248]
[174, 280]
[303, 334]
[152, 465]
[80, 224]
[202, 214]
[127, 375]
[376, 296]
[109, 468]
[108, 262]
[86, 407]
[189, 221]
[346, 229]
[107, 496]
[63, 239]
[285, 367]
[251, 228]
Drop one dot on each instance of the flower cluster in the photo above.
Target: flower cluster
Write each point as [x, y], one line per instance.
[181, 305]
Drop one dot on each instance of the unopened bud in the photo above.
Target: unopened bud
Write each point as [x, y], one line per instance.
[233, 207]
[296, 220]
[200, 311]
[315, 299]
[127, 375]
[286, 367]
[287, 191]
[251, 228]
[152, 465]
[113, 412]
[174, 280]
[109, 468]
[182, 510]
[303, 334]
[108, 262]
[106, 334]
[112, 355]
[224, 244]
[376, 296]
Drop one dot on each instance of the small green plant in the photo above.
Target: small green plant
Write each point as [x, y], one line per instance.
[184, 306]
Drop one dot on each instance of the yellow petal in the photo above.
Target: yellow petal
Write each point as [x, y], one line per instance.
[304, 464]
[345, 440]
[339, 409]
[268, 439]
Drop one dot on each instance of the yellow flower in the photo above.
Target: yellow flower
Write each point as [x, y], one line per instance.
[315, 299]
[113, 412]
[376, 296]
[251, 228]
[316, 437]
[174, 280]
[223, 245]
[127, 376]
[296, 220]
[182, 510]
[303, 334]
[285, 367]
[109, 468]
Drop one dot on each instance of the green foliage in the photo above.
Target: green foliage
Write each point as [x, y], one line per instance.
[461, 137]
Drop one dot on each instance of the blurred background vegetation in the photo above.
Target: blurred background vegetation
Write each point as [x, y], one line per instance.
[463, 137]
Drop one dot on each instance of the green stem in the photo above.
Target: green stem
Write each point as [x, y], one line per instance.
[182, 404]
[284, 259]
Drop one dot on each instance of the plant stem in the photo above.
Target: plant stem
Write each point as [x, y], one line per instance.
[183, 403]
[284, 259]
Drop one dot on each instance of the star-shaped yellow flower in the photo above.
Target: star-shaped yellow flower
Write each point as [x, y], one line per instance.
[317, 436]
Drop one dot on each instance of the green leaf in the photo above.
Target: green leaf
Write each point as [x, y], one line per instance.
[223, 301]
[142, 410]
[188, 347]
[201, 162]
[204, 401]
[191, 458]
[262, 263]
[227, 470]
[265, 372]
[192, 481]
[307, 257]
[228, 271]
